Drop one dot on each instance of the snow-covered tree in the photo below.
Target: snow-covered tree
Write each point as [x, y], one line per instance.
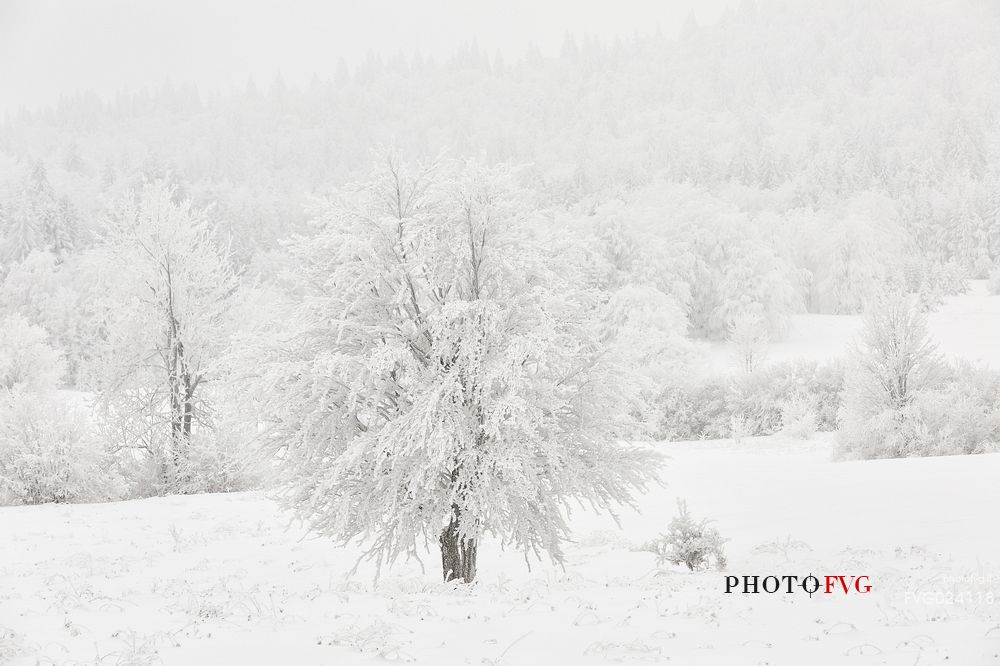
[27, 361]
[37, 219]
[166, 323]
[446, 379]
[60, 296]
[862, 253]
[21, 232]
[749, 337]
[50, 452]
[894, 362]
[48, 448]
[713, 258]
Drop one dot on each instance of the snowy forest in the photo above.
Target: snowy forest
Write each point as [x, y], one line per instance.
[427, 311]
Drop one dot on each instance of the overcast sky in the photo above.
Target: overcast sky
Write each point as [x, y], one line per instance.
[50, 47]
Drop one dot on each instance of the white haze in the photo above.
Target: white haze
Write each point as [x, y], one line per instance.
[50, 48]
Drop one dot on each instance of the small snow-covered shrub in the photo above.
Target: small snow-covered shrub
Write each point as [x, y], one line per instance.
[48, 453]
[48, 448]
[827, 387]
[220, 454]
[963, 416]
[26, 358]
[767, 396]
[689, 542]
[761, 402]
[694, 410]
[798, 417]
[740, 427]
[219, 461]
[891, 433]
[756, 399]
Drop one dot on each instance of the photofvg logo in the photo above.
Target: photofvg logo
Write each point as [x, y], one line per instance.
[792, 584]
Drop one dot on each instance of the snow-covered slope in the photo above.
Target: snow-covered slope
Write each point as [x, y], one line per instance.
[964, 327]
[221, 579]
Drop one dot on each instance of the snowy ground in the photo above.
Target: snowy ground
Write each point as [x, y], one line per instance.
[221, 579]
[224, 579]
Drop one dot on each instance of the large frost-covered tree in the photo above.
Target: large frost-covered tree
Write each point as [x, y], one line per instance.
[447, 378]
[165, 323]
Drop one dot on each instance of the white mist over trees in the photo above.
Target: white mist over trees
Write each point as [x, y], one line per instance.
[815, 121]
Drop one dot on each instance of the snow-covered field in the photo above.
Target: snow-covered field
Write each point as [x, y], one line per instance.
[228, 579]
[223, 579]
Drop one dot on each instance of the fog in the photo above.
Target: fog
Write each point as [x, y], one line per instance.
[50, 48]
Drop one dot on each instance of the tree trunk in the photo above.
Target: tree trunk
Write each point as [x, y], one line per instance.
[458, 554]
[188, 416]
[181, 388]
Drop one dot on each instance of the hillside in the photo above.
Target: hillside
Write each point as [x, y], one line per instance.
[964, 327]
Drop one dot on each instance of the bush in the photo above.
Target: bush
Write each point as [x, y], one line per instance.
[219, 462]
[48, 453]
[762, 402]
[970, 401]
[26, 359]
[956, 419]
[694, 410]
[757, 399]
[688, 542]
[827, 387]
[48, 449]
[219, 458]
[891, 433]
[798, 418]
